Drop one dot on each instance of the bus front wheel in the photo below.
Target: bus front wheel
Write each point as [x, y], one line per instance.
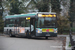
[46, 37]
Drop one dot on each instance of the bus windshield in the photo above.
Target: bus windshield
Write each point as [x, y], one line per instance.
[46, 22]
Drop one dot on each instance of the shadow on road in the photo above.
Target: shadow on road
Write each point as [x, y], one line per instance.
[36, 38]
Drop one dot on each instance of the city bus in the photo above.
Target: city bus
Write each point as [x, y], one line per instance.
[40, 24]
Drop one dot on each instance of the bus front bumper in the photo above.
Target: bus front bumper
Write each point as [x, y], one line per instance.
[49, 34]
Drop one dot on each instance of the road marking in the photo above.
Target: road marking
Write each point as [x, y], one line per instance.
[57, 46]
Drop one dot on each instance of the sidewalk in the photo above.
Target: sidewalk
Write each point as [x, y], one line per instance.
[1, 34]
[67, 41]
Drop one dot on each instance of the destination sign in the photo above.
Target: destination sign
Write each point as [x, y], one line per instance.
[49, 15]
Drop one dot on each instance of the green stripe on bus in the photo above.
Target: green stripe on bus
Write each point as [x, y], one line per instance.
[24, 15]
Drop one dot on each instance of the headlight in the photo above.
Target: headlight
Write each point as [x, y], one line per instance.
[39, 31]
[55, 31]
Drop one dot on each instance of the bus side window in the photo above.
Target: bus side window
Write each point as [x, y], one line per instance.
[15, 25]
[12, 21]
[22, 22]
[7, 23]
[27, 23]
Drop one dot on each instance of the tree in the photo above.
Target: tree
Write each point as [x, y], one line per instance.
[1, 8]
[63, 24]
[72, 12]
[1, 19]
[43, 6]
[15, 7]
[56, 6]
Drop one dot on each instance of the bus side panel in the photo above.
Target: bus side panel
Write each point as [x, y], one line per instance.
[7, 29]
[16, 30]
[22, 31]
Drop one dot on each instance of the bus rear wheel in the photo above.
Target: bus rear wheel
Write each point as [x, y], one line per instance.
[46, 37]
[10, 35]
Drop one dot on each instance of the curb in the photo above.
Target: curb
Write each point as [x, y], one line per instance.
[1, 34]
[67, 44]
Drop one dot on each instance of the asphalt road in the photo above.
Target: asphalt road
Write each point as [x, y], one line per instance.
[16, 43]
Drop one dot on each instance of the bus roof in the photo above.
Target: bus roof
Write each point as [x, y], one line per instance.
[20, 15]
[27, 15]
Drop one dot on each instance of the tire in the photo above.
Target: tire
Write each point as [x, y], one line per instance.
[46, 37]
[10, 34]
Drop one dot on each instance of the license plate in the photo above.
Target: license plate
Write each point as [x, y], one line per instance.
[47, 34]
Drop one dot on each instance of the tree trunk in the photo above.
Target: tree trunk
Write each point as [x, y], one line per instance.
[61, 31]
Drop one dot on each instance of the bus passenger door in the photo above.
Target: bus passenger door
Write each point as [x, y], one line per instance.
[32, 26]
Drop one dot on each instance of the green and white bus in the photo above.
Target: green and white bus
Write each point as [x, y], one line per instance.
[40, 24]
